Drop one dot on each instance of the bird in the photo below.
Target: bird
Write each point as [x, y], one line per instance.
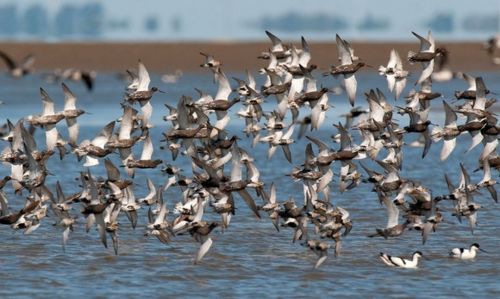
[71, 113]
[492, 45]
[18, 70]
[143, 94]
[465, 254]
[393, 227]
[211, 62]
[216, 175]
[425, 55]
[47, 120]
[394, 73]
[347, 68]
[320, 249]
[448, 133]
[400, 262]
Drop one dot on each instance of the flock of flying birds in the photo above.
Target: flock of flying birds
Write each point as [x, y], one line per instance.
[223, 173]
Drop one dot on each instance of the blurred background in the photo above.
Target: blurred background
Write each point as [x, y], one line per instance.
[168, 35]
[230, 20]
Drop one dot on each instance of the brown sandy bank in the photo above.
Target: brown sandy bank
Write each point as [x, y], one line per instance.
[166, 57]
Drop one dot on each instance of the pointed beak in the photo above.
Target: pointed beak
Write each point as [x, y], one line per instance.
[480, 249]
[161, 91]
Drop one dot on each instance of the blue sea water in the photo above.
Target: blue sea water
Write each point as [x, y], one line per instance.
[250, 258]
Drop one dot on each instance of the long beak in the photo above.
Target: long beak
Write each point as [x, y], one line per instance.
[480, 249]
[161, 91]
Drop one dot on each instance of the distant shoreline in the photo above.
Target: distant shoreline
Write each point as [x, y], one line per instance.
[168, 57]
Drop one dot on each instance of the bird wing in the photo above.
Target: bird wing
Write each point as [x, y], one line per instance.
[73, 130]
[344, 52]
[8, 60]
[147, 111]
[392, 212]
[305, 55]
[272, 194]
[111, 170]
[451, 116]
[147, 150]
[48, 104]
[28, 62]
[204, 248]
[427, 71]
[144, 79]
[236, 170]
[249, 201]
[399, 86]
[471, 81]
[289, 133]
[323, 147]
[151, 188]
[425, 45]
[393, 59]
[277, 44]
[448, 146]
[102, 138]
[350, 87]
[253, 172]
[320, 261]
[287, 152]
[224, 87]
[480, 101]
[126, 123]
[325, 180]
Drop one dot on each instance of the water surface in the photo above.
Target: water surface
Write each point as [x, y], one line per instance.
[251, 258]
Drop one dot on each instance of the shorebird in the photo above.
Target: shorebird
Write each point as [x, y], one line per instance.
[394, 73]
[211, 62]
[492, 45]
[145, 160]
[393, 227]
[347, 68]
[71, 113]
[217, 164]
[125, 140]
[18, 70]
[200, 232]
[320, 249]
[425, 55]
[143, 94]
[279, 50]
[449, 132]
[395, 261]
[280, 139]
[47, 120]
[95, 148]
[465, 254]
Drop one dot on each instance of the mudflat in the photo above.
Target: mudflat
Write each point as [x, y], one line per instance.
[167, 57]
